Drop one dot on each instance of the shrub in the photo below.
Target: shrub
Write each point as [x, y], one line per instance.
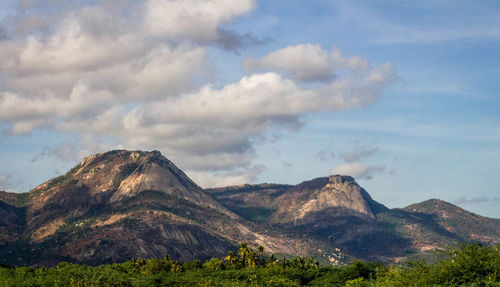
[214, 264]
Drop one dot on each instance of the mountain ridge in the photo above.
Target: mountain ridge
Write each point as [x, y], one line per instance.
[137, 202]
[121, 204]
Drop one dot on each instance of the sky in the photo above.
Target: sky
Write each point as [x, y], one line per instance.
[401, 95]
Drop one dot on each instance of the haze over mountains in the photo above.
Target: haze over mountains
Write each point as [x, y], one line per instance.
[122, 204]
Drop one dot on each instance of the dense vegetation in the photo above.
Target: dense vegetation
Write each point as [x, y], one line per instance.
[467, 265]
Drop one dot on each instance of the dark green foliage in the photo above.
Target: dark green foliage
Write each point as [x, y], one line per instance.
[22, 199]
[192, 265]
[468, 265]
[214, 264]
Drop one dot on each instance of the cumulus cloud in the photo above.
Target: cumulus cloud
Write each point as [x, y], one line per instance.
[358, 170]
[233, 41]
[307, 63]
[228, 178]
[192, 19]
[136, 75]
[212, 129]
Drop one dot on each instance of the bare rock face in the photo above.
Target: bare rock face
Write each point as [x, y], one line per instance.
[340, 191]
[336, 212]
[119, 205]
[155, 172]
[339, 195]
[122, 204]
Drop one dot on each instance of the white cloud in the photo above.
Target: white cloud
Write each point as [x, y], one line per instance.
[358, 170]
[214, 129]
[226, 179]
[195, 19]
[307, 62]
[255, 101]
[358, 90]
[13, 106]
[135, 77]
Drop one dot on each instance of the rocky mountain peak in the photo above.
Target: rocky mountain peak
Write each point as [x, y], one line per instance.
[324, 197]
[115, 177]
[121, 204]
[340, 192]
[340, 179]
[156, 156]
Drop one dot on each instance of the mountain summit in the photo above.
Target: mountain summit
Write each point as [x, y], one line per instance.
[122, 204]
[324, 197]
[119, 205]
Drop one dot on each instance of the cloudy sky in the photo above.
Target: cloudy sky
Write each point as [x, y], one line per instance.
[401, 95]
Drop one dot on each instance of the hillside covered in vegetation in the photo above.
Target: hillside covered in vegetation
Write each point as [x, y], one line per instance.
[468, 265]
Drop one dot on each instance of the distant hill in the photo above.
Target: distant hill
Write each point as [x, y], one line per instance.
[333, 210]
[119, 205]
[464, 224]
[339, 213]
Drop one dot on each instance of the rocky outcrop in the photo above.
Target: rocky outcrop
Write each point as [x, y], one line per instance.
[332, 196]
[336, 212]
[122, 204]
[340, 191]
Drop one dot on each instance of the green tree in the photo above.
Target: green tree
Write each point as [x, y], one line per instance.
[231, 259]
[469, 263]
[214, 264]
[247, 255]
[262, 261]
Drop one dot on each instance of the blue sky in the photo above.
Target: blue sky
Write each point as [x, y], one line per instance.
[402, 95]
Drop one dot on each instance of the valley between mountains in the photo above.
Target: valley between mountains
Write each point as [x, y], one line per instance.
[119, 205]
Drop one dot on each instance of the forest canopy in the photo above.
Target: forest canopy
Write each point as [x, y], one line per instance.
[466, 265]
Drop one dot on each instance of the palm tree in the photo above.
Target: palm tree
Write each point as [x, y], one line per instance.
[261, 255]
[242, 251]
[231, 259]
[247, 256]
[272, 260]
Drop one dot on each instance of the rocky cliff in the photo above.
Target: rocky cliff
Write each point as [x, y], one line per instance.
[121, 204]
[325, 197]
[336, 212]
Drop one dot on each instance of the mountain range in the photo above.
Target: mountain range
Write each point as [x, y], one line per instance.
[119, 205]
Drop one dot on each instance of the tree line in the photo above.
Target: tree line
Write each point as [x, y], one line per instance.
[466, 265]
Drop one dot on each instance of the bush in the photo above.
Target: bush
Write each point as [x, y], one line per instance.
[470, 263]
[467, 265]
[192, 265]
[214, 264]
